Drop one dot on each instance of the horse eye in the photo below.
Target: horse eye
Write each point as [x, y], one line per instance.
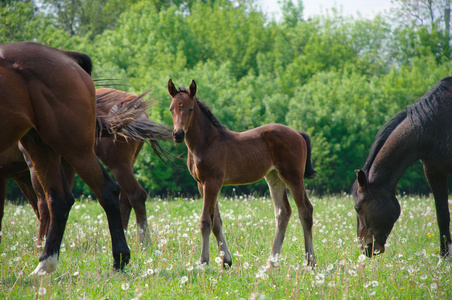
[358, 208]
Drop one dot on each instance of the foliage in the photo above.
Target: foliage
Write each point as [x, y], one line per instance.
[338, 78]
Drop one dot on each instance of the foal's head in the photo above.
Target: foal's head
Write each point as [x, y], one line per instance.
[377, 211]
[181, 108]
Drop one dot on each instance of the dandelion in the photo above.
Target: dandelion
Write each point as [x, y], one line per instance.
[218, 260]
[42, 291]
[76, 274]
[374, 283]
[361, 258]
[158, 253]
[434, 286]
[246, 265]
[125, 286]
[183, 280]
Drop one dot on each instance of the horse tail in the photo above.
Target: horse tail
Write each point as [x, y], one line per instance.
[129, 120]
[82, 59]
[309, 171]
[143, 129]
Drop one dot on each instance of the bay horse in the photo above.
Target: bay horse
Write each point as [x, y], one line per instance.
[123, 127]
[218, 156]
[49, 105]
[423, 131]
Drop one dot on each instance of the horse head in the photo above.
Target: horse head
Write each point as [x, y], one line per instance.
[181, 108]
[377, 211]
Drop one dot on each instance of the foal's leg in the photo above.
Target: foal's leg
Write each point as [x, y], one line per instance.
[438, 185]
[210, 190]
[221, 240]
[283, 212]
[305, 211]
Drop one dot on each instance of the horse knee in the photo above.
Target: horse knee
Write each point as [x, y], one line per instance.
[205, 226]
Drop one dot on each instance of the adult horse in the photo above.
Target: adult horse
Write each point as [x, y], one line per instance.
[49, 105]
[123, 127]
[423, 131]
[218, 156]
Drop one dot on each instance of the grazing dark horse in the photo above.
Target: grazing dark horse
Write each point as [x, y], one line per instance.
[423, 131]
[48, 103]
[218, 156]
[117, 145]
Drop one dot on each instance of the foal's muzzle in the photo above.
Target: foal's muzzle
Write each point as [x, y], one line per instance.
[178, 135]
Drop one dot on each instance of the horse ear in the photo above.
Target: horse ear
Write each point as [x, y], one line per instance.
[171, 88]
[362, 180]
[192, 88]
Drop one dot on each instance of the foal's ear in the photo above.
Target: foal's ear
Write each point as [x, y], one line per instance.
[192, 89]
[362, 180]
[171, 88]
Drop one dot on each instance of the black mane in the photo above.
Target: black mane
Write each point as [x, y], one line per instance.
[206, 110]
[420, 112]
[426, 107]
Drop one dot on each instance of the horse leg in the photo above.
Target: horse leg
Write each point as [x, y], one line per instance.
[283, 212]
[32, 189]
[107, 191]
[47, 165]
[210, 192]
[305, 210]
[438, 185]
[2, 201]
[217, 230]
[132, 195]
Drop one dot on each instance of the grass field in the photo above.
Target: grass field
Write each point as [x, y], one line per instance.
[168, 269]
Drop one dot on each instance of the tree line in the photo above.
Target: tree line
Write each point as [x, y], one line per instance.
[338, 77]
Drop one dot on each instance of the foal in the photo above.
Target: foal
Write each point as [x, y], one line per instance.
[218, 156]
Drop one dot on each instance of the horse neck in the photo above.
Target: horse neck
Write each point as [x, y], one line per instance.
[200, 132]
[402, 148]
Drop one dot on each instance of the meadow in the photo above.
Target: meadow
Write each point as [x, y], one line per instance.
[168, 268]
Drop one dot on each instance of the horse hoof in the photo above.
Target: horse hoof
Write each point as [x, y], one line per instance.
[120, 261]
[46, 266]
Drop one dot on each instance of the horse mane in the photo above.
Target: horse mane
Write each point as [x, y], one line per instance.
[425, 108]
[382, 136]
[206, 111]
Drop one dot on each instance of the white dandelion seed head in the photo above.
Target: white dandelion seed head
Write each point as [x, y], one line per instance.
[361, 258]
[246, 265]
[125, 286]
[183, 279]
[42, 291]
[218, 260]
[158, 253]
[374, 283]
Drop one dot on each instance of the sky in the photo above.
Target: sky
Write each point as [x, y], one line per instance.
[367, 8]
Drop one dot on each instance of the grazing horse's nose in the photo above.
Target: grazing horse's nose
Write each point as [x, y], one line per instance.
[178, 135]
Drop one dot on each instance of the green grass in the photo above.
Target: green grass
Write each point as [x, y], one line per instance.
[168, 269]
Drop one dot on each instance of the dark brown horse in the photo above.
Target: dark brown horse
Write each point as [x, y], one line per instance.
[48, 103]
[218, 156]
[423, 131]
[123, 127]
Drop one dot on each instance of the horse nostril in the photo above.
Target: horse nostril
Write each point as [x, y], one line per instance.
[178, 136]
